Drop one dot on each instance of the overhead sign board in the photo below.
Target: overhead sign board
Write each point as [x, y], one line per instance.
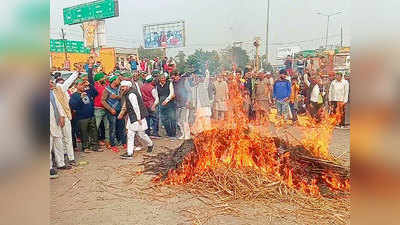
[57, 45]
[164, 35]
[96, 10]
[284, 52]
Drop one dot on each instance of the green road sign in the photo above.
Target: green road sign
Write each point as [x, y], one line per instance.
[96, 10]
[57, 45]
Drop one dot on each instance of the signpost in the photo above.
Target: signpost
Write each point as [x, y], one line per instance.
[96, 10]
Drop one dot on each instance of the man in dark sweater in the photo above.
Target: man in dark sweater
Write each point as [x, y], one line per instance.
[165, 92]
[82, 104]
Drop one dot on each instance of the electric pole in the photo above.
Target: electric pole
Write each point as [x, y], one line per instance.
[66, 61]
[327, 24]
[267, 34]
[341, 36]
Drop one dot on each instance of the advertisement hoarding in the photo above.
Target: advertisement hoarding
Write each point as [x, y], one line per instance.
[164, 35]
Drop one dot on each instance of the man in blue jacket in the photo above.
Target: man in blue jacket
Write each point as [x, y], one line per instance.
[82, 104]
[281, 91]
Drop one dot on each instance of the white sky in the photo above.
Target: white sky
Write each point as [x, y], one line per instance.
[213, 24]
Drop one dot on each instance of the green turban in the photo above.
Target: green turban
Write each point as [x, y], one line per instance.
[98, 76]
[78, 81]
[112, 78]
[129, 75]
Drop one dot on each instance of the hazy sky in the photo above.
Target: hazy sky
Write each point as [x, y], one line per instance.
[213, 24]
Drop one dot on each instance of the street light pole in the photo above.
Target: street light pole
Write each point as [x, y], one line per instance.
[267, 34]
[327, 25]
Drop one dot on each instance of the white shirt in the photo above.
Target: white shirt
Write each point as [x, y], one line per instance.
[306, 81]
[315, 94]
[55, 130]
[136, 126]
[67, 83]
[339, 91]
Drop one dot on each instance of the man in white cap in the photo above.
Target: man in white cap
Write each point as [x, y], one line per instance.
[150, 97]
[136, 122]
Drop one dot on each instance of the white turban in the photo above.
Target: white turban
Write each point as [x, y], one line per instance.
[126, 83]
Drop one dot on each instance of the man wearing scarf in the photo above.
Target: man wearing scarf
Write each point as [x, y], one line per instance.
[111, 100]
[136, 121]
[61, 93]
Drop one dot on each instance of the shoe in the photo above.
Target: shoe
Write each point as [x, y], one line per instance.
[126, 156]
[87, 150]
[73, 163]
[114, 149]
[65, 167]
[53, 173]
[155, 136]
[181, 137]
[138, 148]
[99, 150]
[150, 148]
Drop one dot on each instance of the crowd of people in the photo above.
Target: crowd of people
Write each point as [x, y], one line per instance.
[107, 111]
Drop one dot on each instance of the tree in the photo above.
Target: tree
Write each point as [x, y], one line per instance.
[149, 53]
[234, 54]
[180, 62]
[198, 60]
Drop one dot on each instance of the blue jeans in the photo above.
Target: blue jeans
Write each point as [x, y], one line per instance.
[117, 129]
[152, 122]
[282, 107]
[168, 118]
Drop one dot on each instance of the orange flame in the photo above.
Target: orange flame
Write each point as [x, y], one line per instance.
[234, 143]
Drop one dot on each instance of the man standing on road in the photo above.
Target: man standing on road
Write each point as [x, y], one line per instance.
[136, 122]
[57, 122]
[183, 96]
[338, 96]
[111, 101]
[221, 97]
[82, 102]
[316, 98]
[261, 98]
[61, 93]
[165, 92]
[282, 90]
[100, 112]
[150, 96]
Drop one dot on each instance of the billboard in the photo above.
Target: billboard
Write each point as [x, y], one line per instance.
[96, 10]
[164, 35]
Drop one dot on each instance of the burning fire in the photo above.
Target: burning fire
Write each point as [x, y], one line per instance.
[237, 143]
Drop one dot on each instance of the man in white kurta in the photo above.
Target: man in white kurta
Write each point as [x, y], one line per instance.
[67, 129]
[56, 135]
[138, 127]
